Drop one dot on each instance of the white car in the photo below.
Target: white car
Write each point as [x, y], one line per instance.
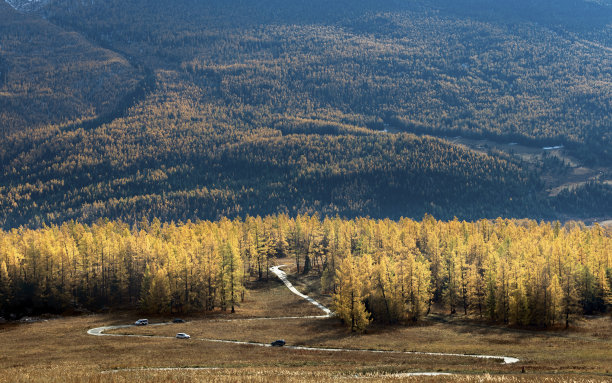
[182, 335]
[141, 322]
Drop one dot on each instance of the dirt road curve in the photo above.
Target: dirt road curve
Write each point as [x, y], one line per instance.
[100, 331]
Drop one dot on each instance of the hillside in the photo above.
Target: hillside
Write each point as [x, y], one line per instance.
[196, 110]
[49, 75]
[174, 158]
[508, 71]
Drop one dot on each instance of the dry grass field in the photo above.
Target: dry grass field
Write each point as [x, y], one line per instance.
[60, 350]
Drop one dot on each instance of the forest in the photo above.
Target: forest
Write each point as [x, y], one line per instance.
[513, 72]
[141, 166]
[49, 76]
[516, 272]
[135, 110]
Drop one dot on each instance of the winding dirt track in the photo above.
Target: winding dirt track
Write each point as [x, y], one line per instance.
[100, 331]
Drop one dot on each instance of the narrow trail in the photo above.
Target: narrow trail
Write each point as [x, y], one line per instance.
[101, 331]
[283, 277]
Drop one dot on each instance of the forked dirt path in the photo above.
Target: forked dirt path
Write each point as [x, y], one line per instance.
[100, 331]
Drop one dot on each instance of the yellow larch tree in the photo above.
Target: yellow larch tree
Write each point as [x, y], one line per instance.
[348, 300]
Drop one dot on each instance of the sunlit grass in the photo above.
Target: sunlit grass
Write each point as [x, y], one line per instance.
[61, 351]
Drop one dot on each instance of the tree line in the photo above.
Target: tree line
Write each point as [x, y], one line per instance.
[517, 272]
[504, 271]
[161, 269]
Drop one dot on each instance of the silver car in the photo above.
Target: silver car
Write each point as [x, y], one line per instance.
[182, 335]
[141, 322]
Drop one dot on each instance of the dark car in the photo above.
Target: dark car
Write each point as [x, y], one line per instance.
[278, 343]
[177, 320]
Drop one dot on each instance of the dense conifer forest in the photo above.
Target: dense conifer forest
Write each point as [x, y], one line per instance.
[190, 168]
[49, 75]
[202, 109]
[427, 64]
[504, 271]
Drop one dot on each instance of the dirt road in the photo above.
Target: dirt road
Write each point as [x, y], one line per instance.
[101, 331]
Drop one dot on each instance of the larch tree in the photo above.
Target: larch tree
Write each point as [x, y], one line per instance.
[571, 299]
[555, 299]
[232, 276]
[348, 300]
[476, 288]
[5, 287]
[386, 287]
[158, 296]
[518, 272]
[421, 294]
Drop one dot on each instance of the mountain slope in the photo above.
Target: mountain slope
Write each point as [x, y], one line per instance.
[234, 108]
[509, 71]
[49, 75]
[174, 157]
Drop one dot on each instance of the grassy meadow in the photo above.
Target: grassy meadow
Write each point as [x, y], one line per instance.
[59, 350]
